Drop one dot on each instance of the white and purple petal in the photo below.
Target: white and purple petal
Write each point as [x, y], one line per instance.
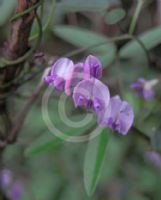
[63, 68]
[144, 88]
[92, 67]
[92, 93]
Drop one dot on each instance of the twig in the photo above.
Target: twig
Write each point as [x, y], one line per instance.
[140, 4]
[20, 120]
[16, 47]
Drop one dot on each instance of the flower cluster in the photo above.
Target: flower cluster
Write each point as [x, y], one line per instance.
[13, 189]
[82, 81]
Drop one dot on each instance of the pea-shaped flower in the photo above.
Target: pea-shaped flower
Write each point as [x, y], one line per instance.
[61, 75]
[144, 88]
[121, 116]
[92, 93]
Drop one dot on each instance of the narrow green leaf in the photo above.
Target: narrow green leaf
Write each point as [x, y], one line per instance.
[85, 5]
[43, 144]
[48, 141]
[84, 38]
[114, 16]
[150, 39]
[94, 158]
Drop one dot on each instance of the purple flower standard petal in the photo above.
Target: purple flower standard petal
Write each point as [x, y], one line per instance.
[63, 68]
[144, 88]
[92, 93]
[92, 67]
[121, 116]
[61, 75]
[5, 178]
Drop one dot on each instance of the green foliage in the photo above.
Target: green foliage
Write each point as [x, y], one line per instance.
[85, 5]
[94, 158]
[114, 16]
[150, 39]
[84, 38]
[48, 142]
[6, 9]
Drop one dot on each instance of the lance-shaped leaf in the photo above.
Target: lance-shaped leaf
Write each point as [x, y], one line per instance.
[84, 38]
[94, 158]
[150, 39]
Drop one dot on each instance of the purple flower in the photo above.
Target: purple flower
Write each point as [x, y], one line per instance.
[91, 93]
[154, 158]
[92, 67]
[15, 191]
[65, 75]
[5, 178]
[144, 88]
[112, 113]
[121, 116]
[61, 75]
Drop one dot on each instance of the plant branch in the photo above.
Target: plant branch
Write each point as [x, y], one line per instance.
[16, 47]
[20, 120]
[139, 6]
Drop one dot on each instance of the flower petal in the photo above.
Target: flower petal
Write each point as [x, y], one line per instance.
[121, 116]
[75, 77]
[92, 67]
[148, 94]
[63, 68]
[16, 191]
[144, 88]
[93, 93]
[59, 83]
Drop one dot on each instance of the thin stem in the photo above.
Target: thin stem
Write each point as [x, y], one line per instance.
[144, 48]
[49, 20]
[41, 9]
[21, 14]
[15, 131]
[141, 134]
[114, 39]
[136, 16]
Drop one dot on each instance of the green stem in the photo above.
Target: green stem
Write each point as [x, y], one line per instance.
[136, 15]
[144, 48]
[18, 15]
[114, 39]
[41, 9]
[49, 20]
